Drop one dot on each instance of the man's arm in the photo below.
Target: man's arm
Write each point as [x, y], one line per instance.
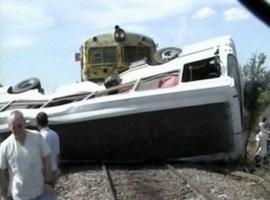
[47, 167]
[4, 178]
[4, 183]
[48, 175]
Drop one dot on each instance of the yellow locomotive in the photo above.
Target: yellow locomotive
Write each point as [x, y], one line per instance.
[109, 54]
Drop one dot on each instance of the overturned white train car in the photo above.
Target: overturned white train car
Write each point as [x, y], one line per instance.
[187, 108]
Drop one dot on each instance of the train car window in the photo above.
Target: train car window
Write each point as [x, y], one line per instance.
[166, 80]
[65, 100]
[23, 104]
[3, 105]
[119, 89]
[202, 69]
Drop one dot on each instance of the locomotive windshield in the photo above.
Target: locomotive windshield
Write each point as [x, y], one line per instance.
[102, 55]
[135, 53]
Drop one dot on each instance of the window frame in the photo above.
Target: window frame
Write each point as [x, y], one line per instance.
[201, 64]
[23, 104]
[102, 60]
[139, 50]
[58, 101]
[114, 90]
[157, 78]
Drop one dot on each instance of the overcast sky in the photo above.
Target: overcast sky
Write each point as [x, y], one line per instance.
[38, 38]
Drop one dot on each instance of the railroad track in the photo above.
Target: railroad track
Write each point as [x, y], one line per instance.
[162, 183]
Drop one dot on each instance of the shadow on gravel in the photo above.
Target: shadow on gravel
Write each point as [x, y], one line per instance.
[217, 166]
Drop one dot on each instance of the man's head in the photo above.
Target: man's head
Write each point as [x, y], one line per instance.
[264, 119]
[16, 123]
[42, 120]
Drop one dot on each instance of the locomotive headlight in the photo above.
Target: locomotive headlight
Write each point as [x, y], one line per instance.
[122, 35]
[119, 34]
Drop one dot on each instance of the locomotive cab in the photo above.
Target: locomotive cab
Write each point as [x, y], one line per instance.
[110, 54]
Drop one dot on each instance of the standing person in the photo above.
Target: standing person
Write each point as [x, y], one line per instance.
[52, 139]
[25, 155]
[262, 138]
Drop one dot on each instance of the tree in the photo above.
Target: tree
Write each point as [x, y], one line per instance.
[264, 98]
[256, 80]
[264, 101]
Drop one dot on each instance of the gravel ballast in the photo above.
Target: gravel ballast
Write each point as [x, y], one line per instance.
[156, 182]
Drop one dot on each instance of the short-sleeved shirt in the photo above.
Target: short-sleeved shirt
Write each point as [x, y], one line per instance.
[24, 163]
[52, 139]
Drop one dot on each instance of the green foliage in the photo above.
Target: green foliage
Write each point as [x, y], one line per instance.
[256, 79]
[264, 99]
[255, 71]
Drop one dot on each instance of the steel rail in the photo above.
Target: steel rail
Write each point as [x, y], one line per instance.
[109, 180]
[197, 188]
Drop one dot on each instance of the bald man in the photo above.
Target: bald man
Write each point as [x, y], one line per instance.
[25, 155]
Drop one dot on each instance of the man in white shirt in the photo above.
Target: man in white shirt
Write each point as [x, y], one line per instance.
[52, 139]
[262, 138]
[25, 155]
